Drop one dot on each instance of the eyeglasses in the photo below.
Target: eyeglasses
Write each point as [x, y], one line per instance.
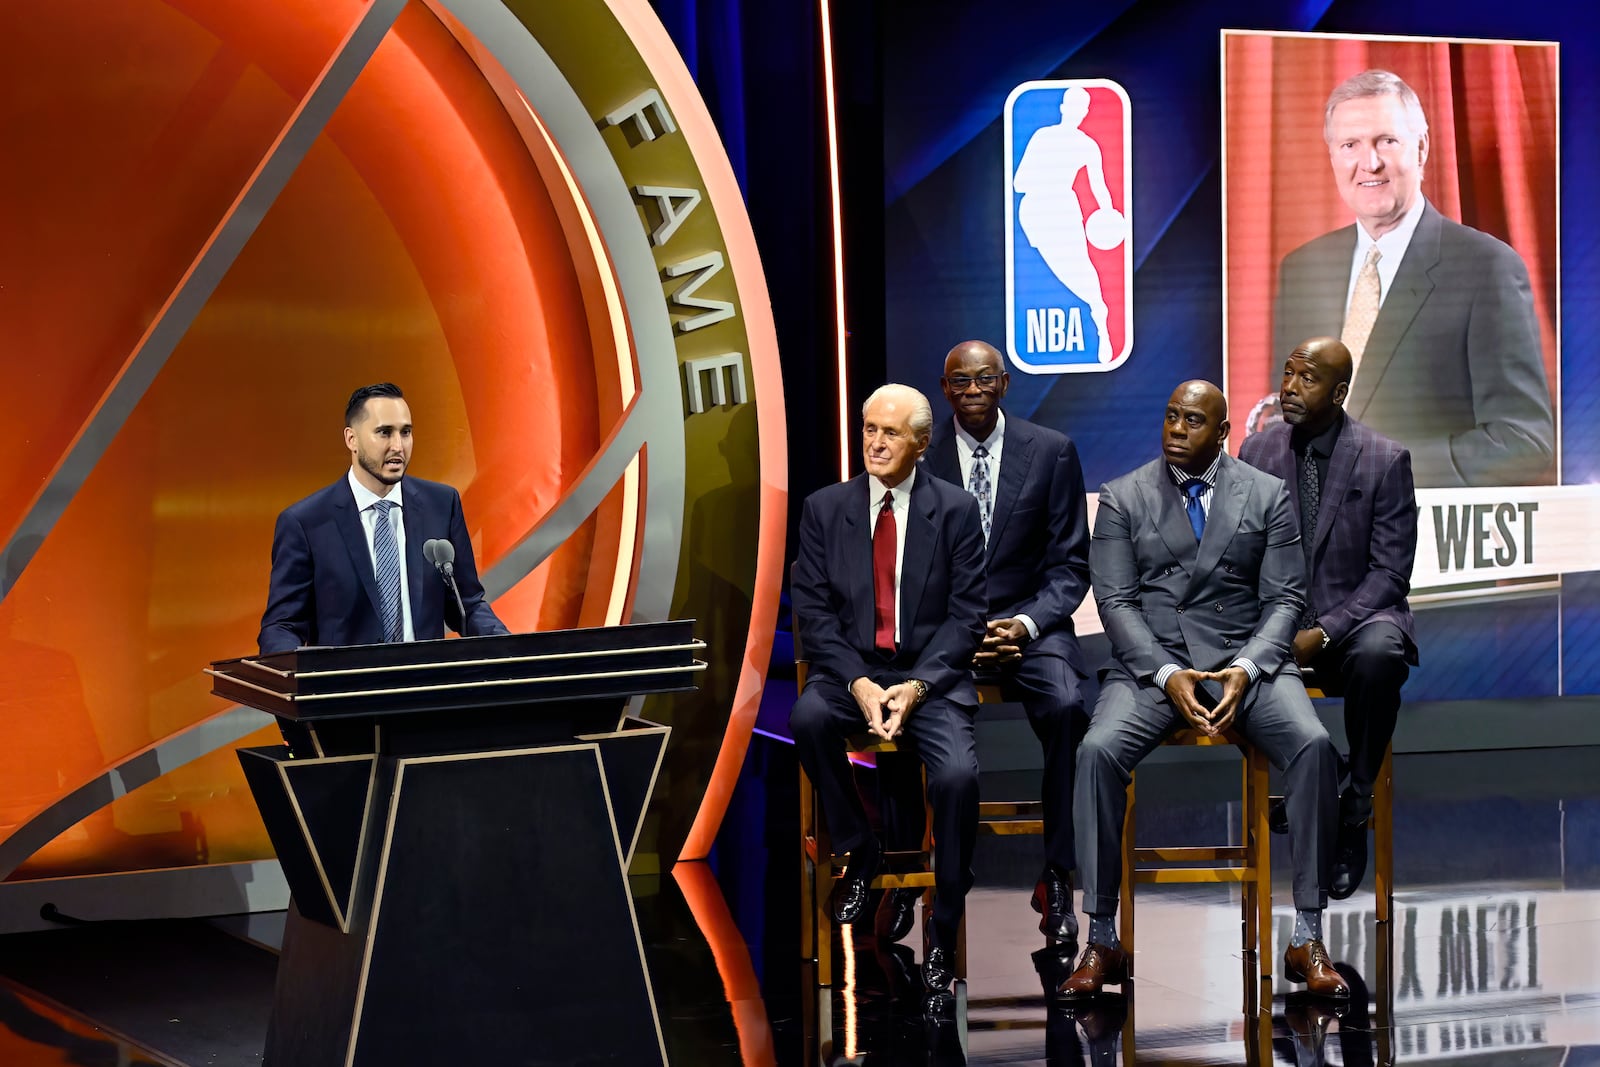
[961, 383]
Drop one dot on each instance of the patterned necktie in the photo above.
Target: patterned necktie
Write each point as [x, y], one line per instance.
[1364, 302]
[1194, 488]
[978, 486]
[386, 567]
[1310, 501]
[884, 536]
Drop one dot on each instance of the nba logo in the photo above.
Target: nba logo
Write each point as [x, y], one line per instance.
[1069, 228]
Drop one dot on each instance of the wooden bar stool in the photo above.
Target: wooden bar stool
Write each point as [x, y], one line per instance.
[1381, 821]
[900, 870]
[1248, 864]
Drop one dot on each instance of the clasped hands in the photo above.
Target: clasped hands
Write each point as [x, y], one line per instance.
[1183, 689]
[1003, 642]
[885, 710]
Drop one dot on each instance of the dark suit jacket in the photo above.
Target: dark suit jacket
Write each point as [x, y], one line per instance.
[1453, 369]
[323, 591]
[1166, 599]
[1038, 554]
[1366, 537]
[942, 599]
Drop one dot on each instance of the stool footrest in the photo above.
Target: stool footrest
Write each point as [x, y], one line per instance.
[1194, 875]
[988, 809]
[1011, 827]
[1193, 854]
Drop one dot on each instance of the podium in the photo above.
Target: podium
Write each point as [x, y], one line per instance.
[457, 845]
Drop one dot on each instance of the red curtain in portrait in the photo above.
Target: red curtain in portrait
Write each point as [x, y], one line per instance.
[1491, 111]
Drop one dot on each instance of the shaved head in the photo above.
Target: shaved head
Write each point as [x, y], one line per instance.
[974, 382]
[1195, 427]
[1316, 381]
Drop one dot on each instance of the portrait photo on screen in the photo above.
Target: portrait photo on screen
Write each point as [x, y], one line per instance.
[1400, 194]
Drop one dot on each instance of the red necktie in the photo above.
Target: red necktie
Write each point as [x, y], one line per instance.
[883, 553]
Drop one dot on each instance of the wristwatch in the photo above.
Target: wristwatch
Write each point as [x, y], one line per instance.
[922, 688]
[1326, 640]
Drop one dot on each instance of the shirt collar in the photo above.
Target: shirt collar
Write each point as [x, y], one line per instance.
[992, 442]
[1322, 444]
[1393, 244]
[902, 492]
[1209, 475]
[365, 497]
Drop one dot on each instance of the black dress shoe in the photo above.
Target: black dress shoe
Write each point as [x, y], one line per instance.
[1052, 899]
[938, 969]
[1278, 815]
[897, 914]
[849, 898]
[1054, 963]
[1350, 861]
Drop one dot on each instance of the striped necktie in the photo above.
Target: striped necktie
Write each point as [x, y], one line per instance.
[386, 568]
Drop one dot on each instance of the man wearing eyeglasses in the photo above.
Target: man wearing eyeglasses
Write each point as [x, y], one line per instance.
[1029, 487]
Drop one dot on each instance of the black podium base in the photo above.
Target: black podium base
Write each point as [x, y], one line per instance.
[487, 917]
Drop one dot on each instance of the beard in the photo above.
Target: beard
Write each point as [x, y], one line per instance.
[374, 467]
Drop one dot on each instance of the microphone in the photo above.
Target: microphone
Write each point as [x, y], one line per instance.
[442, 554]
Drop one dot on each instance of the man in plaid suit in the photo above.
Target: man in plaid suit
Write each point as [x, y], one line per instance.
[1352, 494]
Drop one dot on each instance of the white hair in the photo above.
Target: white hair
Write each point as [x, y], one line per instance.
[921, 419]
[1376, 83]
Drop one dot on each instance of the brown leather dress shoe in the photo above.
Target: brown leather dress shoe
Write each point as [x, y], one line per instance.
[1309, 963]
[1099, 966]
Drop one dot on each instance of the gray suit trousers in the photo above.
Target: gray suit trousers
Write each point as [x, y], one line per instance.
[1132, 719]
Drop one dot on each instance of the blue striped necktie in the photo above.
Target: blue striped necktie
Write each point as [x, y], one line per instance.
[386, 567]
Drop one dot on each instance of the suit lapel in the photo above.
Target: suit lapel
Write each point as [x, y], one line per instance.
[414, 516]
[1016, 456]
[1407, 293]
[1222, 520]
[348, 522]
[942, 459]
[1172, 518]
[1341, 468]
[921, 534]
[856, 559]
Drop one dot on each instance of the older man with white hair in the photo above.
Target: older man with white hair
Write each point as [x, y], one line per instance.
[889, 603]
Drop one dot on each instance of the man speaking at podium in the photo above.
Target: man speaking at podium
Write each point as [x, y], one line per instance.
[348, 565]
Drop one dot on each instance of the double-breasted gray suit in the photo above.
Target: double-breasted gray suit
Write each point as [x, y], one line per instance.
[1165, 599]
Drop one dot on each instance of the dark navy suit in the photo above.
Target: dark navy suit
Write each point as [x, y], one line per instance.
[1362, 552]
[323, 590]
[941, 615]
[1037, 563]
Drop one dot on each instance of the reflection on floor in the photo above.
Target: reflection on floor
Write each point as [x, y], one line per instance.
[1492, 961]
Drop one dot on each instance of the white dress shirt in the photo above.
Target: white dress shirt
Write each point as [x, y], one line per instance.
[1393, 247]
[966, 444]
[365, 499]
[900, 497]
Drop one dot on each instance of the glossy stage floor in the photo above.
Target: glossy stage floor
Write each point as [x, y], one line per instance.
[1495, 945]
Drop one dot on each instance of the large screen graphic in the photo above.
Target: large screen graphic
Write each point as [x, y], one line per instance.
[1200, 149]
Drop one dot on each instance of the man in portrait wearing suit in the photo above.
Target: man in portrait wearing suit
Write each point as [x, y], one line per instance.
[347, 562]
[1438, 317]
[888, 596]
[1029, 487]
[1351, 492]
[1196, 568]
